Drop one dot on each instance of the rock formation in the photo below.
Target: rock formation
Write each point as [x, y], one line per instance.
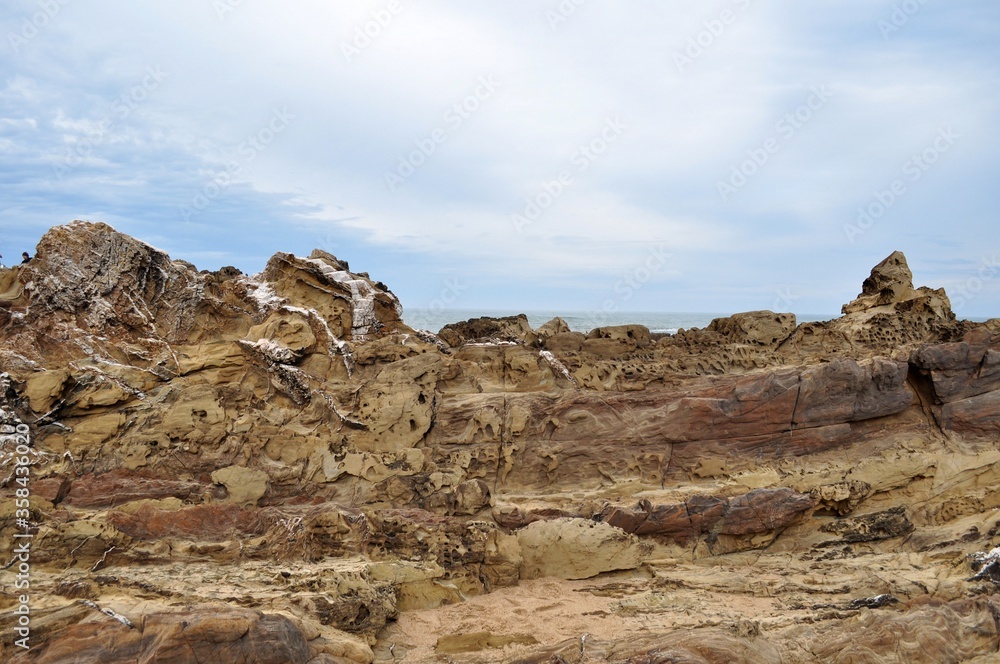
[276, 468]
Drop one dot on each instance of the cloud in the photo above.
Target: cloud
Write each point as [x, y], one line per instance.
[191, 158]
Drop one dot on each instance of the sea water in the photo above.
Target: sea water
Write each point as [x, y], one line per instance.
[581, 321]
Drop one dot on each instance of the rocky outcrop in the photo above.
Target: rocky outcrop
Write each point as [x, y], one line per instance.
[577, 549]
[509, 329]
[198, 636]
[890, 285]
[764, 328]
[283, 457]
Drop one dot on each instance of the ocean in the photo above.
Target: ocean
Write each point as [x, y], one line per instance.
[581, 321]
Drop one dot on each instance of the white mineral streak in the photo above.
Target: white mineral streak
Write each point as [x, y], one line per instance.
[556, 364]
[275, 351]
[267, 300]
[362, 298]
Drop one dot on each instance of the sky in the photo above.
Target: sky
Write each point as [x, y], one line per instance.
[585, 155]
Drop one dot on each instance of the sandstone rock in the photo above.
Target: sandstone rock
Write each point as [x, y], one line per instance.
[118, 487]
[890, 282]
[454, 644]
[553, 327]
[961, 370]
[703, 646]
[563, 342]
[891, 285]
[978, 415]
[846, 391]
[227, 635]
[577, 549]
[44, 388]
[352, 306]
[399, 475]
[764, 328]
[510, 329]
[244, 486]
[841, 498]
[105, 279]
[763, 510]
[207, 523]
[633, 335]
[758, 512]
[471, 497]
[870, 527]
[953, 632]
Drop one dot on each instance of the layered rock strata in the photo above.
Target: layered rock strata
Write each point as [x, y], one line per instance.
[276, 468]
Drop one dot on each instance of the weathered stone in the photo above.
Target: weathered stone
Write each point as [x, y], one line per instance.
[512, 329]
[118, 487]
[841, 498]
[244, 486]
[577, 549]
[553, 327]
[393, 474]
[848, 391]
[960, 370]
[454, 644]
[228, 635]
[870, 527]
[44, 388]
[765, 328]
[763, 510]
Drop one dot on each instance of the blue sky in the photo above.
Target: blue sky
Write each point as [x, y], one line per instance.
[648, 156]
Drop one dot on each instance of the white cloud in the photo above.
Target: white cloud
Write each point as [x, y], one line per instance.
[687, 127]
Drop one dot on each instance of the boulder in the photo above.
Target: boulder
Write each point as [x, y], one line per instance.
[577, 549]
[485, 330]
[764, 328]
[553, 327]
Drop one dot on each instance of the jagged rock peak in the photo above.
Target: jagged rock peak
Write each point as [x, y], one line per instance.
[106, 279]
[890, 281]
[354, 306]
[890, 286]
[96, 292]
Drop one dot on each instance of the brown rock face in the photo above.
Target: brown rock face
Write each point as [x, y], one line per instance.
[180, 638]
[276, 468]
